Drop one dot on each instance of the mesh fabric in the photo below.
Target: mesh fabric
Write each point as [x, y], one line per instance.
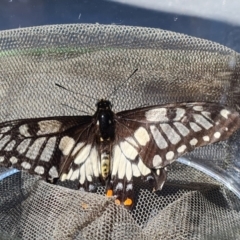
[97, 60]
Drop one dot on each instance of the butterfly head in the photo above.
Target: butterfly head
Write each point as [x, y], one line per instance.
[104, 105]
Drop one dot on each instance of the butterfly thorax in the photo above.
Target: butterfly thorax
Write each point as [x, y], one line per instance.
[105, 121]
[106, 133]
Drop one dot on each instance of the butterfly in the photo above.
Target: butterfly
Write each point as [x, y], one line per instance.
[111, 148]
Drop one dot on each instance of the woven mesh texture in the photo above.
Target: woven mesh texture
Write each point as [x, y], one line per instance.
[97, 60]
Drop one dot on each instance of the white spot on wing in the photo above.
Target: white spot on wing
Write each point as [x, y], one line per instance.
[131, 141]
[70, 172]
[172, 136]
[66, 144]
[170, 155]
[159, 139]
[206, 138]
[156, 115]
[122, 167]
[63, 177]
[2, 159]
[13, 160]
[77, 148]
[135, 170]
[39, 170]
[198, 108]
[184, 131]
[206, 115]
[83, 154]
[142, 136]
[10, 146]
[129, 171]
[129, 151]
[48, 126]
[34, 149]
[4, 140]
[195, 127]
[89, 177]
[202, 121]
[23, 129]
[149, 177]
[88, 166]
[217, 134]
[193, 142]
[75, 175]
[94, 161]
[91, 187]
[48, 149]
[82, 174]
[179, 114]
[143, 168]
[22, 147]
[129, 187]
[225, 113]
[53, 172]
[26, 165]
[157, 161]
[116, 159]
[119, 186]
[181, 149]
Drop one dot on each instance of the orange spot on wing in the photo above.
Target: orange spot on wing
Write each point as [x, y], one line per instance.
[128, 202]
[109, 193]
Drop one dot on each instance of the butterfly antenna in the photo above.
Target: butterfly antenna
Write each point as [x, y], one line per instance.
[66, 89]
[120, 85]
[65, 105]
[69, 90]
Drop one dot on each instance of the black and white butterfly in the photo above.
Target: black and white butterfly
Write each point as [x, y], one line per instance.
[111, 149]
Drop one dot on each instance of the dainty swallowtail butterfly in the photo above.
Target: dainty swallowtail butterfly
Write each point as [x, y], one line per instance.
[111, 149]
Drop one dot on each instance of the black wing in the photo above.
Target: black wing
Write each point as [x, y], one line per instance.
[49, 146]
[150, 138]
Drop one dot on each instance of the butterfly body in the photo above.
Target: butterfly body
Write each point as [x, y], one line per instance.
[111, 148]
[105, 132]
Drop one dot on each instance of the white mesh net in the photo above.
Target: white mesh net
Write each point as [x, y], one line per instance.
[96, 59]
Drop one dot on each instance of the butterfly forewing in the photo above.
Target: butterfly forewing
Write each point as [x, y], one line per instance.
[163, 133]
[38, 145]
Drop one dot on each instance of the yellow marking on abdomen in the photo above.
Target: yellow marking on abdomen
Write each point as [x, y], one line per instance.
[105, 165]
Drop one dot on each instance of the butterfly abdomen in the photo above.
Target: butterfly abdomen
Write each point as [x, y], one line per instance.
[105, 165]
